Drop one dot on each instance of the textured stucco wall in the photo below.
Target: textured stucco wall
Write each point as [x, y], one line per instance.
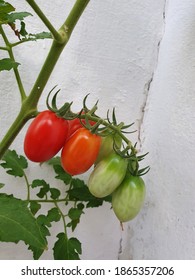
[166, 229]
[139, 57]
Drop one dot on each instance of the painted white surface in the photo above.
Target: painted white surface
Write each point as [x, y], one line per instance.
[127, 55]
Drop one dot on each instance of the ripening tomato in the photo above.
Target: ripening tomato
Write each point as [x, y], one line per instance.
[107, 175]
[75, 124]
[80, 151]
[107, 146]
[128, 198]
[45, 136]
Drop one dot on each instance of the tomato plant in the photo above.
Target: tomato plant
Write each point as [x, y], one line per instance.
[107, 175]
[45, 136]
[52, 131]
[80, 151]
[128, 198]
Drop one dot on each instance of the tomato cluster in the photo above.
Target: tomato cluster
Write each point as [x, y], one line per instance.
[111, 176]
[48, 134]
[80, 150]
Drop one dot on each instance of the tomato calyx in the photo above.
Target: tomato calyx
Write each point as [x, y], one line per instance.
[102, 127]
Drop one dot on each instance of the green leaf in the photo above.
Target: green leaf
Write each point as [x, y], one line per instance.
[62, 175]
[74, 214]
[53, 215]
[54, 161]
[80, 192]
[34, 207]
[5, 7]
[36, 252]
[6, 64]
[17, 223]
[41, 183]
[55, 193]
[44, 223]
[14, 163]
[66, 249]
[39, 36]
[1, 185]
[23, 31]
[17, 16]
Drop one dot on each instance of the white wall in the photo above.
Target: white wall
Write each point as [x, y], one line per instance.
[139, 57]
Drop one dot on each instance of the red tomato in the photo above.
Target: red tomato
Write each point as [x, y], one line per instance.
[75, 124]
[80, 151]
[45, 136]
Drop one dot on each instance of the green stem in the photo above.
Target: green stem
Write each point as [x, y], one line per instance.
[62, 216]
[16, 72]
[109, 125]
[29, 104]
[49, 200]
[56, 35]
[4, 48]
[28, 186]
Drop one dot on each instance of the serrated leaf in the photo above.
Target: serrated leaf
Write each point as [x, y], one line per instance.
[14, 163]
[74, 213]
[62, 175]
[6, 64]
[44, 223]
[17, 16]
[6, 7]
[44, 187]
[53, 215]
[54, 161]
[36, 252]
[66, 249]
[17, 223]
[1, 185]
[34, 207]
[55, 193]
[39, 36]
[80, 192]
[23, 31]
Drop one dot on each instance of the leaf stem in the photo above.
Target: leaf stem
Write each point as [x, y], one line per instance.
[16, 72]
[3, 48]
[50, 200]
[62, 216]
[28, 186]
[109, 125]
[56, 35]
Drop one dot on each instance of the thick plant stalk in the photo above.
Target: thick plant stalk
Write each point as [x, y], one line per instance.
[29, 104]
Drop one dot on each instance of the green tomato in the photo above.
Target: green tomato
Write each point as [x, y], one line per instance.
[128, 198]
[107, 175]
[106, 147]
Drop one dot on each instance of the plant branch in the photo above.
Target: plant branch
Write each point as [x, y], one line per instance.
[4, 48]
[29, 105]
[62, 216]
[56, 35]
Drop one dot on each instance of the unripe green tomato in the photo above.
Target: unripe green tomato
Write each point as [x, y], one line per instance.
[107, 175]
[106, 147]
[128, 198]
